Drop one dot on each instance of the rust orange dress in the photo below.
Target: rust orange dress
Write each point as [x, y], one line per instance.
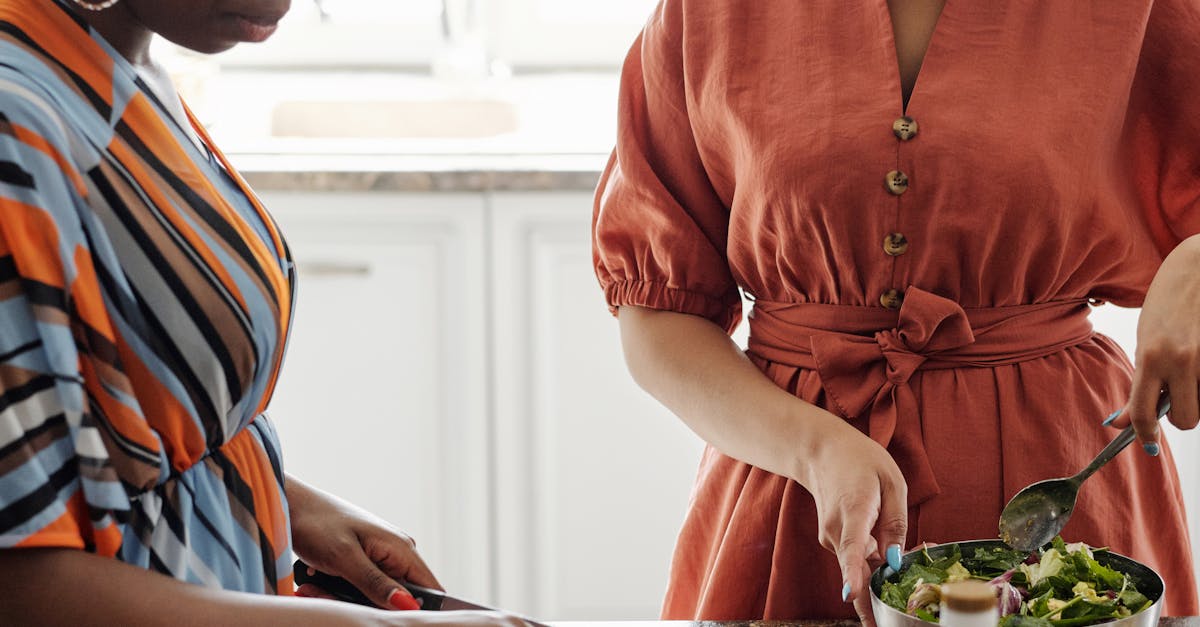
[924, 273]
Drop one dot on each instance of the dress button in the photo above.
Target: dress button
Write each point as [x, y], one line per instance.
[905, 128]
[891, 299]
[895, 244]
[897, 182]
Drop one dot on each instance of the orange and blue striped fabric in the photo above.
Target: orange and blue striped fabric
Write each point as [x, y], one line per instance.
[145, 299]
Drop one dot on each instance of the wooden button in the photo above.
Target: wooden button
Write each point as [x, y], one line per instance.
[905, 128]
[897, 182]
[891, 299]
[895, 244]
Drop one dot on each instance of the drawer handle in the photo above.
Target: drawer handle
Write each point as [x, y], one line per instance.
[332, 268]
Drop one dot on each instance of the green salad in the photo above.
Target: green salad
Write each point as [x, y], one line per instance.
[1059, 586]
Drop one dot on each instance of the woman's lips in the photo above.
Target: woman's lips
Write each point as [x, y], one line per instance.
[253, 29]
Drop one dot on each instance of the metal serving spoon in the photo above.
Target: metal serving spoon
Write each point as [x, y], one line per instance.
[1040, 511]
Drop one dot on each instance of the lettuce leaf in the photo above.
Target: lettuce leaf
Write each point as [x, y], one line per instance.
[926, 615]
[1021, 620]
[927, 574]
[895, 595]
[993, 562]
[1051, 565]
[1059, 545]
[1040, 605]
[1134, 600]
[1075, 622]
[953, 556]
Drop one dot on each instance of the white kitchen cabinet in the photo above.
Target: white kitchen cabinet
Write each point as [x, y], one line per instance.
[382, 399]
[592, 475]
[471, 391]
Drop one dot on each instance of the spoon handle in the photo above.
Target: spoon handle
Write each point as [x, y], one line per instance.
[1123, 439]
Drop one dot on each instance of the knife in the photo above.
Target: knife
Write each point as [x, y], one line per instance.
[427, 598]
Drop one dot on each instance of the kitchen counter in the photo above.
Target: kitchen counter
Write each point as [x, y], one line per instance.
[420, 173]
[1176, 621]
[714, 623]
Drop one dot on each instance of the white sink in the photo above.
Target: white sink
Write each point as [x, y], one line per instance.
[391, 119]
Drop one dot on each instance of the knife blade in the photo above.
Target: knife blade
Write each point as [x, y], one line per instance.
[427, 598]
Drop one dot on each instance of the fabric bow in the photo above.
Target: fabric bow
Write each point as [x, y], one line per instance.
[870, 374]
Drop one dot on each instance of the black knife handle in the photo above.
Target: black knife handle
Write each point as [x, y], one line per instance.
[344, 590]
[338, 587]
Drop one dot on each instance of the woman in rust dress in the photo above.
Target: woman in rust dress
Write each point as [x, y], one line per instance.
[922, 255]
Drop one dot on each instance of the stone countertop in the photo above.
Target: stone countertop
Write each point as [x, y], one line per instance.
[734, 623]
[1176, 621]
[420, 173]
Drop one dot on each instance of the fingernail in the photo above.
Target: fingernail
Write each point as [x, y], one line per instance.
[402, 600]
[893, 557]
[1151, 448]
[1111, 418]
[845, 592]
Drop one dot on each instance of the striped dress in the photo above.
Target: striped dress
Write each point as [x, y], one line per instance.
[145, 300]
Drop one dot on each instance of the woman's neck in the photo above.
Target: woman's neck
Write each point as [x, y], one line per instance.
[122, 29]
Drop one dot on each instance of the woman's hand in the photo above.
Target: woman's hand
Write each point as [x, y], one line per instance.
[1168, 347]
[691, 366]
[862, 507]
[340, 539]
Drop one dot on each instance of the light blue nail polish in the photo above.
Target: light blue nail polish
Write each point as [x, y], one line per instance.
[893, 557]
[845, 592]
[1151, 448]
[1111, 418]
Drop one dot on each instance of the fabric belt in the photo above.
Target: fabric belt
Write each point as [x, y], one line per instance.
[865, 356]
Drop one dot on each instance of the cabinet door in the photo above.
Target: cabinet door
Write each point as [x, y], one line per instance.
[592, 474]
[381, 396]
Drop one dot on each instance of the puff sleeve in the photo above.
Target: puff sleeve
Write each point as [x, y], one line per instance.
[57, 485]
[659, 229]
[1162, 133]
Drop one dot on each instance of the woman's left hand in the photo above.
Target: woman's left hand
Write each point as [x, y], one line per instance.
[340, 539]
[1168, 347]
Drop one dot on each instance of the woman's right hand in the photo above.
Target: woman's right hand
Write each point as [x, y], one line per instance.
[691, 366]
[862, 509]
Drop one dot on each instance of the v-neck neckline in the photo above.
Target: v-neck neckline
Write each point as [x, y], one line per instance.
[120, 66]
[178, 119]
[214, 158]
[897, 79]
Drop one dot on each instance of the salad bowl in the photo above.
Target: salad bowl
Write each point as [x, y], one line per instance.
[1148, 582]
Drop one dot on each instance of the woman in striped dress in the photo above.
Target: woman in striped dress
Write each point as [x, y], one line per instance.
[145, 300]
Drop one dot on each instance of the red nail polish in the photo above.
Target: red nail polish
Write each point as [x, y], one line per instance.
[402, 600]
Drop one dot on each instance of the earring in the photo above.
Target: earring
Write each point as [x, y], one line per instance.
[96, 6]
